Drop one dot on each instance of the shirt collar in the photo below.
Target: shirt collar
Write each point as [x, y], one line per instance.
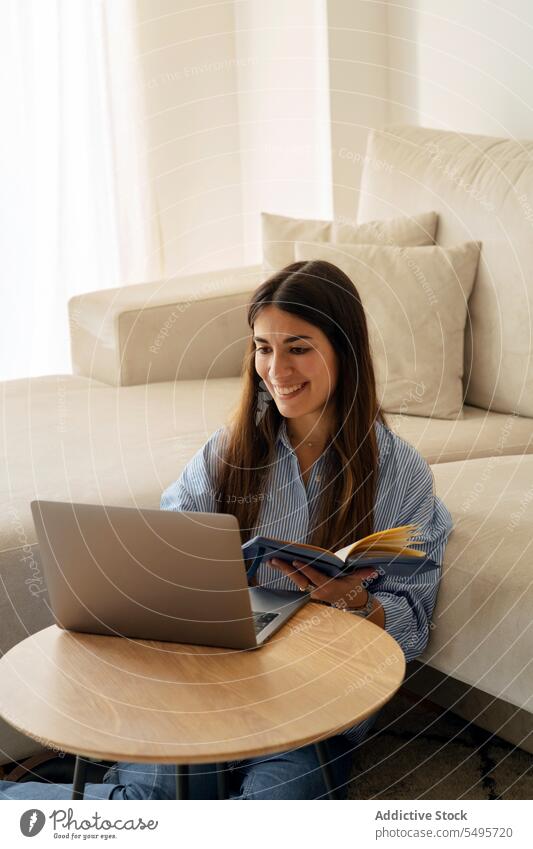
[283, 436]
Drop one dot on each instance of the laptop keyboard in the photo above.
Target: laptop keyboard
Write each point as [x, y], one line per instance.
[261, 620]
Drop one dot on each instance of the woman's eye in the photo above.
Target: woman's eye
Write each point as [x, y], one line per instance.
[293, 350]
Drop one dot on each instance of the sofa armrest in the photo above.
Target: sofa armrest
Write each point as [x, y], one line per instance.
[184, 328]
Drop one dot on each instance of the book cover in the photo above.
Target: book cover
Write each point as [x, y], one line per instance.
[387, 550]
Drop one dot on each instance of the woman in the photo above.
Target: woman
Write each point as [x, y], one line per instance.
[307, 457]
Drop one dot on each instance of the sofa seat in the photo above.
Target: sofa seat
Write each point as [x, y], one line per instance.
[482, 620]
[479, 433]
[73, 438]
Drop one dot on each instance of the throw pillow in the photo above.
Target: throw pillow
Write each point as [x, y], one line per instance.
[416, 303]
[281, 233]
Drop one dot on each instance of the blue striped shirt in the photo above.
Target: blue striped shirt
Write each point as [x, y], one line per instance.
[404, 494]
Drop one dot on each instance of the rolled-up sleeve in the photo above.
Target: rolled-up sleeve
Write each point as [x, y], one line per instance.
[409, 602]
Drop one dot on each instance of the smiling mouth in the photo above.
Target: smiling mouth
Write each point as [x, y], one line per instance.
[289, 392]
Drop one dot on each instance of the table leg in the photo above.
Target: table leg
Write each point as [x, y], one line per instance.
[323, 759]
[222, 781]
[80, 769]
[182, 781]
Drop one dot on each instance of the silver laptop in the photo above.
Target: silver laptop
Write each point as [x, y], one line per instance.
[154, 575]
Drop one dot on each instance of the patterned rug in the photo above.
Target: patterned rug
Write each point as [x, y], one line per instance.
[417, 750]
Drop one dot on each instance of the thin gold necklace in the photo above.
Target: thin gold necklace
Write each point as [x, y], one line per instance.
[308, 443]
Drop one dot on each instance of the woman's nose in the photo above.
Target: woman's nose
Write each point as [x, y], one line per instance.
[279, 367]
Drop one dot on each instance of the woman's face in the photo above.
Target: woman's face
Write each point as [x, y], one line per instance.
[300, 373]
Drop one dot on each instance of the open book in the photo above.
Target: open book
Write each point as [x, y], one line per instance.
[389, 549]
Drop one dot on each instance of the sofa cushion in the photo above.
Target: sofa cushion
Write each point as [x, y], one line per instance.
[482, 188]
[479, 433]
[280, 234]
[51, 385]
[482, 620]
[99, 444]
[415, 301]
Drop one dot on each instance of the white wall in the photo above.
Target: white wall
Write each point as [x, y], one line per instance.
[257, 105]
[357, 34]
[462, 66]
[237, 115]
[189, 72]
[284, 112]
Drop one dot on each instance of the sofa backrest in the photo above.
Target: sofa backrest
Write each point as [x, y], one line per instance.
[482, 188]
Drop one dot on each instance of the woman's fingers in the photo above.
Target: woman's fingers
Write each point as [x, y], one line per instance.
[313, 575]
[282, 565]
[292, 571]
[323, 588]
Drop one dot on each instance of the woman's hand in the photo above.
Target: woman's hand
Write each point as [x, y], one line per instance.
[349, 591]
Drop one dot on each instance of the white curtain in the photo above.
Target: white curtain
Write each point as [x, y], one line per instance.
[75, 201]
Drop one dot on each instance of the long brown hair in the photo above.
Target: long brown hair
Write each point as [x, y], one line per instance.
[321, 294]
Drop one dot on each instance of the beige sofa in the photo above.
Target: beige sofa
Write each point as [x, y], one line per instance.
[156, 371]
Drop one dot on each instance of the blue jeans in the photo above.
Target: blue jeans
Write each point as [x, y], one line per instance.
[295, 774]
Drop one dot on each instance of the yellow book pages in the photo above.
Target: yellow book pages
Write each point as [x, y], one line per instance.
[399, 538]
[378, 552]
[401, 530]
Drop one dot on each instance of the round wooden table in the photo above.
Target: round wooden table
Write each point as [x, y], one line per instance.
[113, 698]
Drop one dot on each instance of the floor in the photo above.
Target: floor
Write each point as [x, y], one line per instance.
[419, 751]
